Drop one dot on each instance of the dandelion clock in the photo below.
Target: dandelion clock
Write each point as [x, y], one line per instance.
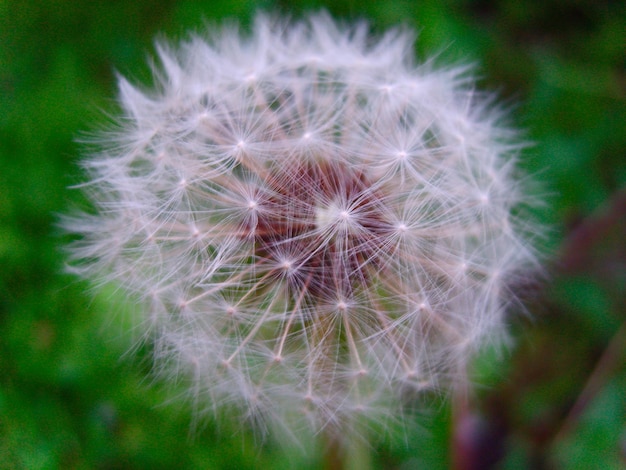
[317, 229]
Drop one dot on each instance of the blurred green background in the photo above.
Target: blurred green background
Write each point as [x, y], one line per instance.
[72, 396]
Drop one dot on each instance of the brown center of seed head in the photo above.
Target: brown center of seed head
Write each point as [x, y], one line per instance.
[325, 225]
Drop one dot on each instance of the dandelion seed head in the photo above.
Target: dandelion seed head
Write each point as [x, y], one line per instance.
[313, 223]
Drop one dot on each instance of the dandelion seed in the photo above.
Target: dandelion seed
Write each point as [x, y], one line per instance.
[334, 238]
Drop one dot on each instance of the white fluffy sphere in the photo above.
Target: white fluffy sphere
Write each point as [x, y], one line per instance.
[314, 225]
